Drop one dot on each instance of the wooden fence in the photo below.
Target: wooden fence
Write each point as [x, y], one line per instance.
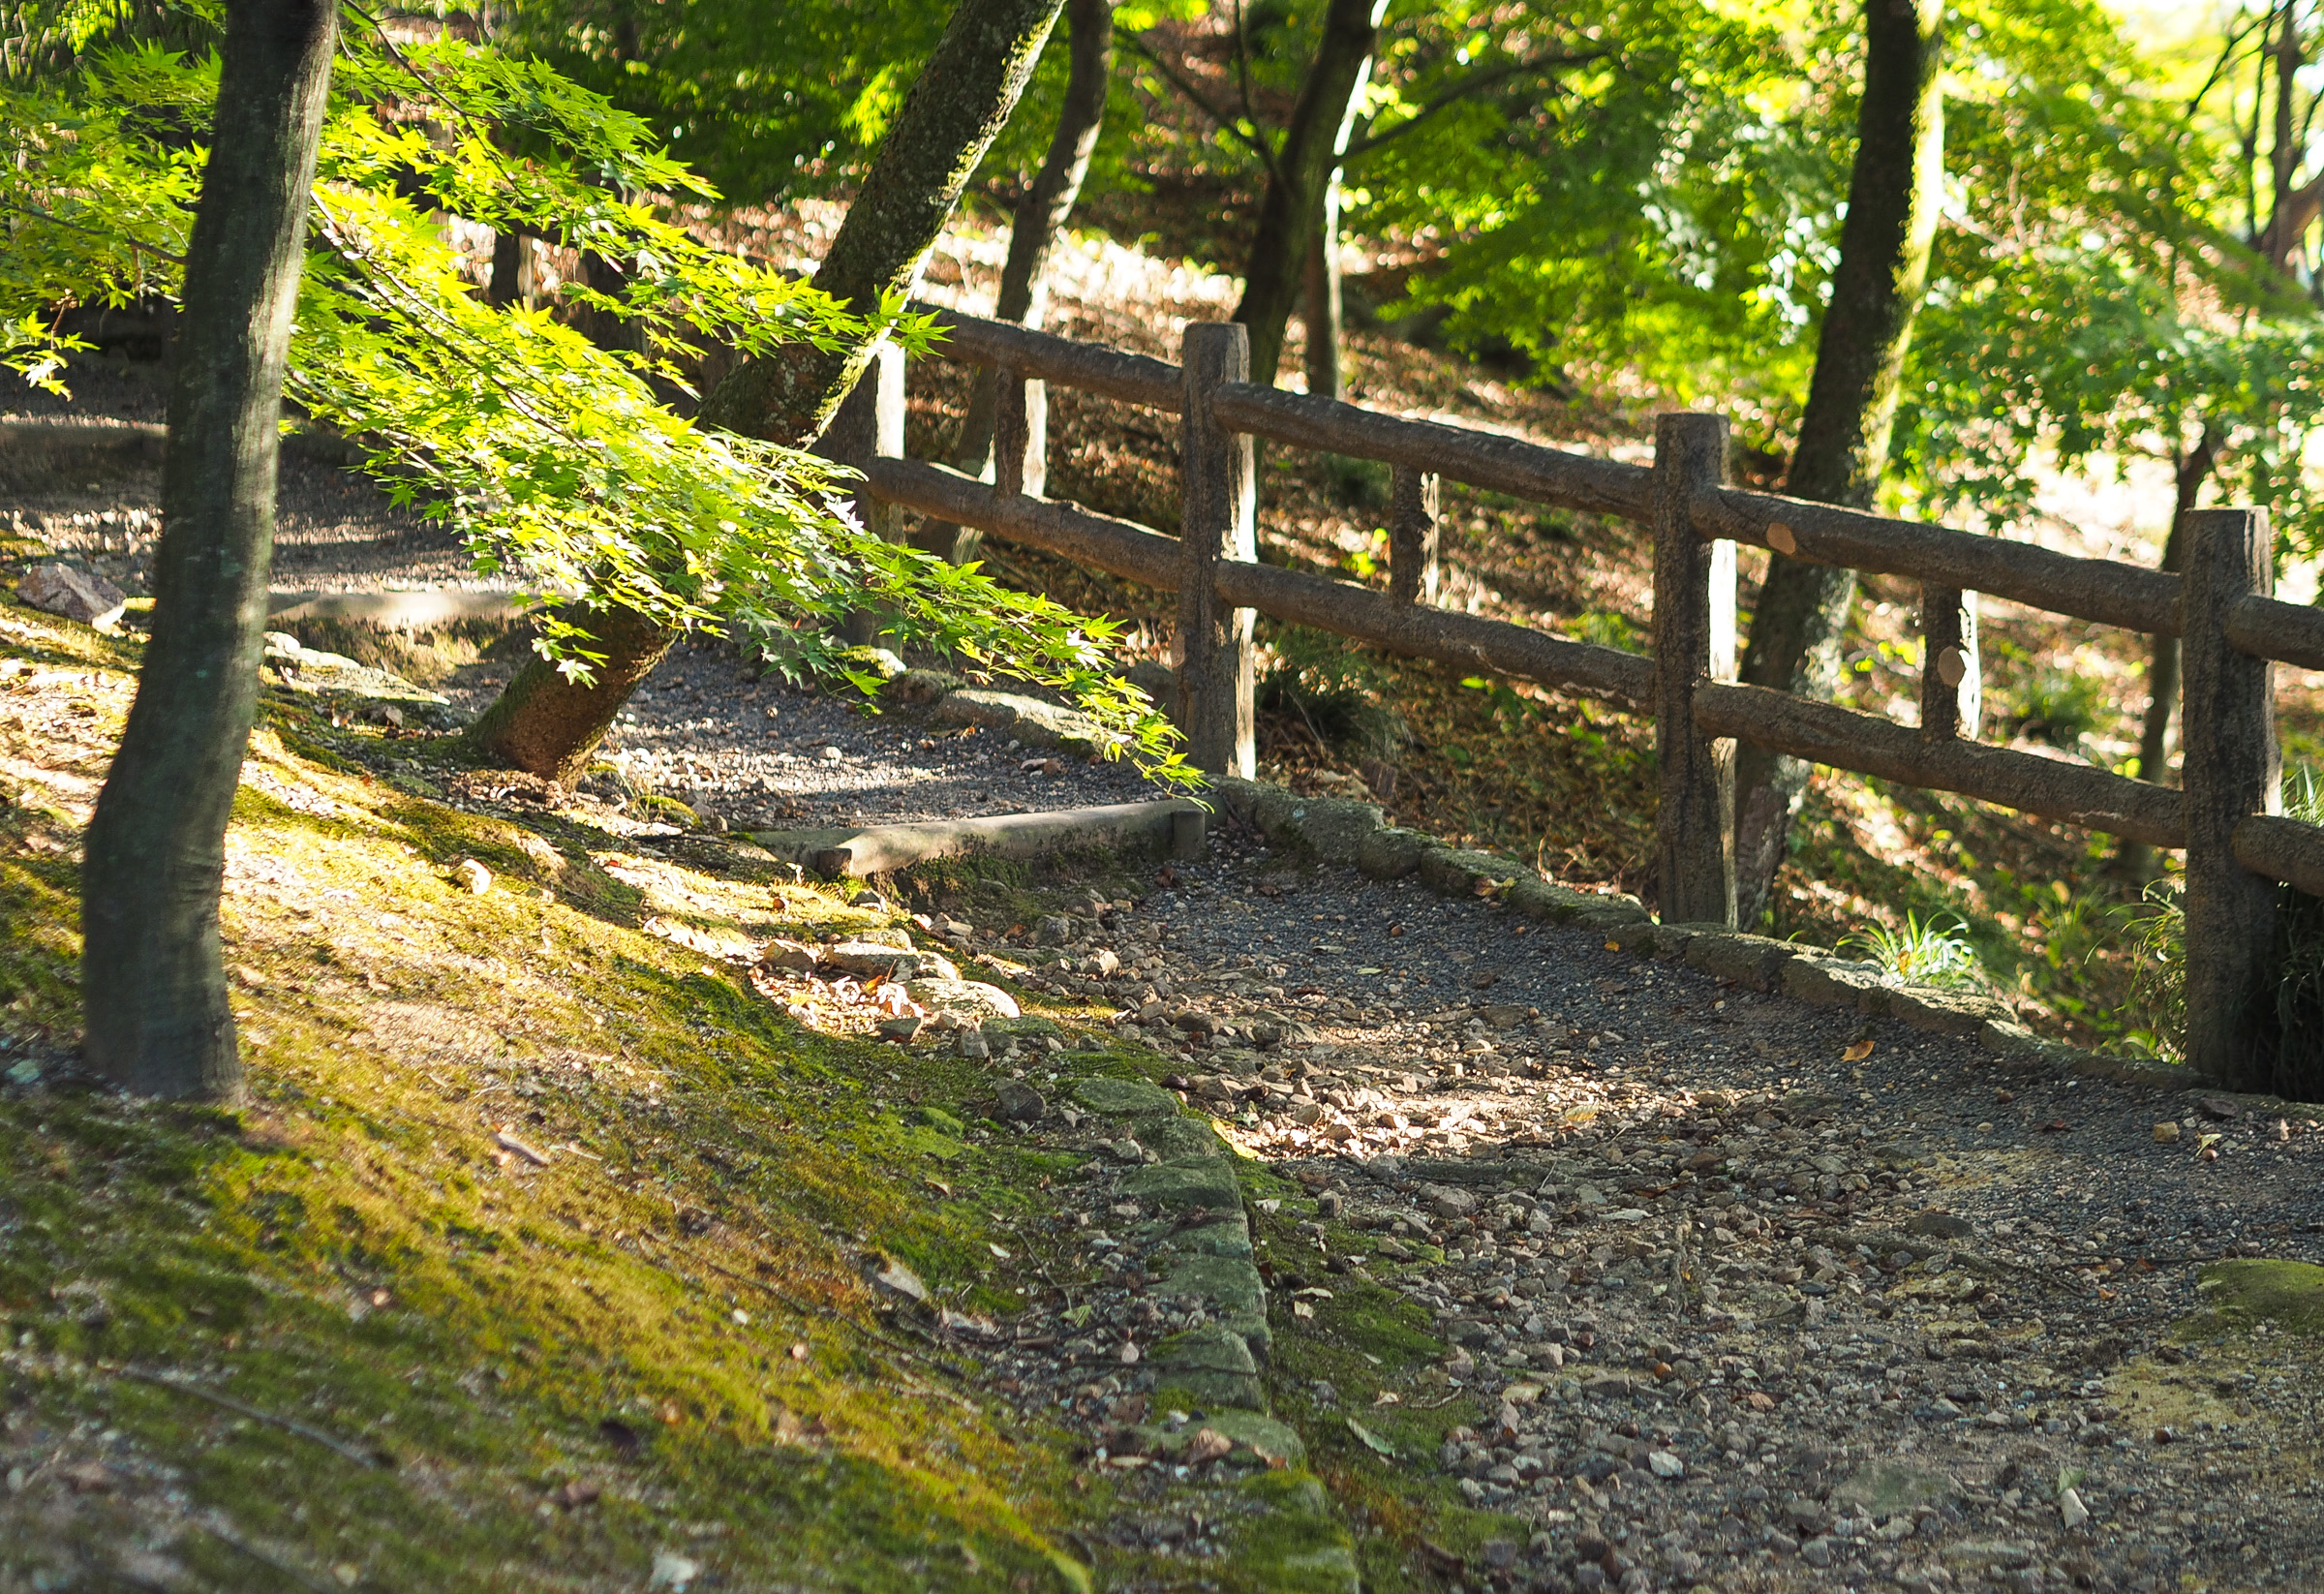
[2225, 818]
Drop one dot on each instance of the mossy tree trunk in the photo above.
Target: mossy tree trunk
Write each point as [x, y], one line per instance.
[548, 724]
[1894, 190]
[153, 980]
[1041, 212]
[1300, 176]
[1034, 227]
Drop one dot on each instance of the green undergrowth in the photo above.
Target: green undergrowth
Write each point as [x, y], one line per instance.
[663, 1343]
[1330, 1373]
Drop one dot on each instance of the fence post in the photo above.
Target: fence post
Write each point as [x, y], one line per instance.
[1693, 589]
[2231, 769]
[1953, 691]
[1412, 535]
[1020, 435]
[1218, 522]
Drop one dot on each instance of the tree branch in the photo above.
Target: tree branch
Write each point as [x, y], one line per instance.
[1475, 82]
[1202, 103]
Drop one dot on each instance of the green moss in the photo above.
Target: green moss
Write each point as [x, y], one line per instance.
[2288, 1295]
[355, 1251]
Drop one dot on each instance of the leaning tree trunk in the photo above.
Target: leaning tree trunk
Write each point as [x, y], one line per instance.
[1040, 218]
[1893, 195]
[1314, 143]
[549, 725]
[153, 981]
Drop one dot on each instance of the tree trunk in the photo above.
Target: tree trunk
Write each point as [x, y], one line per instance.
[1040, 217]
[548, 724]
[1313, 147]
[1324, 310]
[507, 284]
[2163, 668]
[153, 981]
[955, 110]
[1893, 195]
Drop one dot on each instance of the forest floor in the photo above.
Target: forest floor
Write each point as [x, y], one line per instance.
[550, 1250]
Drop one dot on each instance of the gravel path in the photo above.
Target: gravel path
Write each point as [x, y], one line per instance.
[758, 754]
[1762, 1296]
[334, 531]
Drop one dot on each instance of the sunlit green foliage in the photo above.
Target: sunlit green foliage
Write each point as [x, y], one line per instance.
[557, 459]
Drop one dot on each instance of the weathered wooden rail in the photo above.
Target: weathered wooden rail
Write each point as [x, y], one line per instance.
[2225, 818]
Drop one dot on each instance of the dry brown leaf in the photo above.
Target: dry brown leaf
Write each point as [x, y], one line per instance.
[1857, 1052]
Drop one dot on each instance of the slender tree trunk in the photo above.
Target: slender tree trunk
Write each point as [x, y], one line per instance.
[1323, 309]
[152, 978]
[1894, 196]
[2162, 668]
[548, 724]
[1040, 218]
[507, 285]
[1314, 143]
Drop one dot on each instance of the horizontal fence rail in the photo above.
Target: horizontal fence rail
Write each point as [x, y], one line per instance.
[2229, 624]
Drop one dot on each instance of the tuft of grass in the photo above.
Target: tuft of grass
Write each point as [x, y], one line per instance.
[1932, 951]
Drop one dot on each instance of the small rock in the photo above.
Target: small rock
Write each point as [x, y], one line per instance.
[1020, 1103]
[903, 1029]
[1104, 963]
[2166, 1133]
[2071, 1512]
[791, 955]
[831, 755]
[1662, 1464]
[73, 593]
[2218, 1108]
[972, 1044]
[1054, 930]
[1938, 1224]
[1816, 1552]
[473, 876]
[673, 1571]
[1452, 1203]
[23, 1071]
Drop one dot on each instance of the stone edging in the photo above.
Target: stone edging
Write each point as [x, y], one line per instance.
[1348, 830]
[1200, 1241]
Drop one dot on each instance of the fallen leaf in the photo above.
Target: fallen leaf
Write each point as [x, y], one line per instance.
[1371, 1440]
[1208, 1445]
[901, 1279]
[2056, 1127]
[507, 1142]
[1388, 1397]
[1300, 1308]
[1857, 1052]
[1001, 1251]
